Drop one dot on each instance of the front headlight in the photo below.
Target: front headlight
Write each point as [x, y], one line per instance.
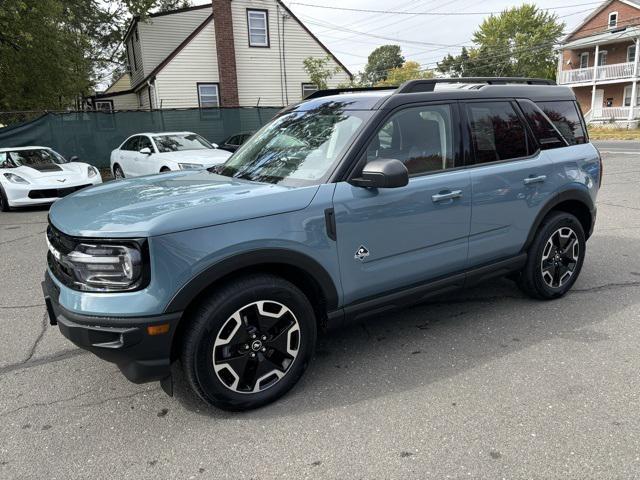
[190, 166]
[97, 266]
[92, 171]
[13, 178]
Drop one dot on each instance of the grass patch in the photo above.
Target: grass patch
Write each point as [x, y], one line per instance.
[599, 133]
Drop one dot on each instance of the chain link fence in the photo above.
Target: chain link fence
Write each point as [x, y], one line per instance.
[92, 135]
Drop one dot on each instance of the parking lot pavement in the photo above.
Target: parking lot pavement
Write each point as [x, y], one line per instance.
[481, 384]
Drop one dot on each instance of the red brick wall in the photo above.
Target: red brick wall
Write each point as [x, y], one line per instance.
[614, 91]
[627, 15]
[226, 53]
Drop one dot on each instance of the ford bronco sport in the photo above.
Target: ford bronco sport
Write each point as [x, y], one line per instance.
[344, 205]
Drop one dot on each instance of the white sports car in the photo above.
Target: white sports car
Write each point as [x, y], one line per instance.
[149, 153]
[38, 175]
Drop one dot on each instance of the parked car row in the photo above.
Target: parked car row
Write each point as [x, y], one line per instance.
[36, 175]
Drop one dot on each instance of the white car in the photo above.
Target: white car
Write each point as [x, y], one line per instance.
[149, 153]
[39, 175]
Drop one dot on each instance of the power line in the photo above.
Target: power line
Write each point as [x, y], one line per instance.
[430, 12]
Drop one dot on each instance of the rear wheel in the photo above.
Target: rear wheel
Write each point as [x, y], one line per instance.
[4, 203]
[555, 257]
[117, 171]
[249, 343]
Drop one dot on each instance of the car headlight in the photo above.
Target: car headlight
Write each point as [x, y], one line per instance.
[92, 171]
[97, 266]
[13, 178]
[190, 166]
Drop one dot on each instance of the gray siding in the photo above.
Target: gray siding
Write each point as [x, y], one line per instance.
[260, 73]
[159, 36]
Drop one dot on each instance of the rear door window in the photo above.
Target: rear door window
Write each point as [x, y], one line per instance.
[544, 130]
[565, 117]
[497, 132]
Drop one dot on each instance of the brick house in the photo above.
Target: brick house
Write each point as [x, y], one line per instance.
[599, 60]
[227, 53]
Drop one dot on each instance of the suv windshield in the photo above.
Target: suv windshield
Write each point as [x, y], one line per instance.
[177, 143]
[297, 148]
[37, 158]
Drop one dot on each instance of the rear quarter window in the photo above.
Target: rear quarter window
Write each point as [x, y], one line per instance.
[565, 117]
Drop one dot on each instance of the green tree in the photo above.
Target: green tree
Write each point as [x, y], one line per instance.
[380, 61]
[320, 70]
[409, 70]
[518, 42]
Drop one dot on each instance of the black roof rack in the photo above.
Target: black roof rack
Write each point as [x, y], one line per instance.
[428, 85]
[337, 91]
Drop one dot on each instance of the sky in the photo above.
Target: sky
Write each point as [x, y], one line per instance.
[352, 35]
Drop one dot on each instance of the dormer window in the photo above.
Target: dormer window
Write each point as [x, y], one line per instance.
[613, 19]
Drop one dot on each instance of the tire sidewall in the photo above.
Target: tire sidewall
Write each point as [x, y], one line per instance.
[554, 223]
[213, 390]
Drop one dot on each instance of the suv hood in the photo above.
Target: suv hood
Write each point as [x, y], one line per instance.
[172, 202]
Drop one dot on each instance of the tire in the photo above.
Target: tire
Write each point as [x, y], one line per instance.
[4, 203]
[118, 172]
[555, 257]
[237, 336]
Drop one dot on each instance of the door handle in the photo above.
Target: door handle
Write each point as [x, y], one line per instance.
[441, 197]
[538, 179]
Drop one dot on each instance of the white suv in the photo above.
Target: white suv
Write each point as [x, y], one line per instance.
[149, 153]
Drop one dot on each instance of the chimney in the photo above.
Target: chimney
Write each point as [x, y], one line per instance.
[225, 47]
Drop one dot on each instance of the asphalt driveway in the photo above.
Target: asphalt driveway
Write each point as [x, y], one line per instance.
[482, 384]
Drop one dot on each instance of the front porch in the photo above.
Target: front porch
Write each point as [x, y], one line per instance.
[610, 103]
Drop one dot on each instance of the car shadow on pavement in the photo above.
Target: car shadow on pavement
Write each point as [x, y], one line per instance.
[433, 341]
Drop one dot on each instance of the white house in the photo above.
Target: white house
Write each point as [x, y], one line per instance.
[228, 53]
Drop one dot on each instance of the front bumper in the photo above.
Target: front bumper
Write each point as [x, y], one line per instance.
[23, 195]
[121, 340]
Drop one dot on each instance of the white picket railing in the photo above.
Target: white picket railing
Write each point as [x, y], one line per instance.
[606, 72]
[617, 70]
[577, 75]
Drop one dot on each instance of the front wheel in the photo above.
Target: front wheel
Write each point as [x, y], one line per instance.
[249, 343]
[118, 173]
[555, 257]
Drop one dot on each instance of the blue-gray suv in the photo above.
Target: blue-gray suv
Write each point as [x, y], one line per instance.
[345, 205]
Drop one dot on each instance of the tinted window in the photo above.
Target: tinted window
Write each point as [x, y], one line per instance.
[235, 140]
[131, 144]
[496, 131]
[565, 117]
[420, 137]
[145, 142]
[544, 131]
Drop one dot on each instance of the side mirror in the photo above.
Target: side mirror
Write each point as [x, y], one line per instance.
[215, 145]
[74, 158]
[383, 173]
[146, 151]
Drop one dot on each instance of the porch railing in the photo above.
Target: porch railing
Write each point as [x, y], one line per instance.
[613, 114]
[605, 72]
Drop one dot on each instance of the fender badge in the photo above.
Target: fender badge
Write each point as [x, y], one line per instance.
[361, 253]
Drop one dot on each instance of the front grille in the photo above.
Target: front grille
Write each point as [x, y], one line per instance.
[54, 192]
[63, 244]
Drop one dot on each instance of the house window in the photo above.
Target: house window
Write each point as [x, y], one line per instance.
[613, 19]
[584, 59]
[602, 58]
[104, 105]
[631, 53]
[627, 96]
[258, 26]
[308, 89]
[208, 95]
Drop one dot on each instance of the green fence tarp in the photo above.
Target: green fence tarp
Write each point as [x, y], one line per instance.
[91, 136]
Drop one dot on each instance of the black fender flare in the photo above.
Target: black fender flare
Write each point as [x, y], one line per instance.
[254, 258]
[576, 194]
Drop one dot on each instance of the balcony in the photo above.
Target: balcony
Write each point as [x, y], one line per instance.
[612, 114]
[605, 73]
